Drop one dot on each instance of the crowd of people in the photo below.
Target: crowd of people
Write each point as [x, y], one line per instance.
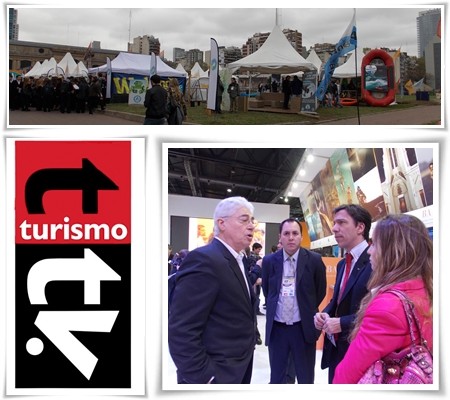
[213, 306]
[58, 93]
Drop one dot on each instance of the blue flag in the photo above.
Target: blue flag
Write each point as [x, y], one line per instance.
[346, 43]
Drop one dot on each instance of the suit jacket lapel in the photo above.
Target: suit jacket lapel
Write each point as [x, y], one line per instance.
[234, 266]
[278, 267]
[237, 271]
[359, 266]
[301, 262]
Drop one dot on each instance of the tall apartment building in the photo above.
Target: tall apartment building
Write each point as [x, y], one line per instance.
[229, 54]
[194, 55]
[178, 54]
[257, 40]
[145, 45]
[254, 43]
[13, 26]
[295, 39]
[324, 50]
[427, 24]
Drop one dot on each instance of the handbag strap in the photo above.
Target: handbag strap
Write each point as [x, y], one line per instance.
[411, 316]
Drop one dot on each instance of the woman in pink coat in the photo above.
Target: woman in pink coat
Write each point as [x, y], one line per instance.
[402, 258]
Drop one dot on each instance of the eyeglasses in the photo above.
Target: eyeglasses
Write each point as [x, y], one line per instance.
[246, 220]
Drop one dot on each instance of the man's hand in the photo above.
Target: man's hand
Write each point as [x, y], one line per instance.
[319, 320]
[332, 325]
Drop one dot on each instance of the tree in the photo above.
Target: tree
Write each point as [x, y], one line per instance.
[415, 68]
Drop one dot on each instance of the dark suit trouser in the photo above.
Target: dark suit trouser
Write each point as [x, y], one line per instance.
[336, 356]
[286, 339]
[246, 379]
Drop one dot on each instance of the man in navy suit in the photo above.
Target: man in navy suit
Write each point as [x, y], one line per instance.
[351, 231]
[212, 316]
[294, 285]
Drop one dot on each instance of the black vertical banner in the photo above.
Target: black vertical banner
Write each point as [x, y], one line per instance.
[53, 367]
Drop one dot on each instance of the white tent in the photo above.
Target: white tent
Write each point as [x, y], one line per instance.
[47, 68]
[138, 64]
[275, 56]
[197, 71]
[420, 86]
[81, 70]
[67, 65]
[347, 70]
[314, 59]
[34, 71]
[181, 69]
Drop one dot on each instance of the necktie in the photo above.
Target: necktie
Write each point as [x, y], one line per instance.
[348, 266]
[289, 295]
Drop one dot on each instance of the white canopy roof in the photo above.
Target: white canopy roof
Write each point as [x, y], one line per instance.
[48, 67]
[275, 56]
[81, 70]
[36, 68]
[197, 71]
[314, 58]
[138, 64]
[67, 67]
[181, 69]
[347, 70]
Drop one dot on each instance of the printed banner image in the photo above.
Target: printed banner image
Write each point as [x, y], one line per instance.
[75, 316]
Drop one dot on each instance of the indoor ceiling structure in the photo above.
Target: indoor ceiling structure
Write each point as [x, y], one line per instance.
[261, 175]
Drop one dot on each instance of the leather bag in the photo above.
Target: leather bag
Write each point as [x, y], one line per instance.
[412, 365]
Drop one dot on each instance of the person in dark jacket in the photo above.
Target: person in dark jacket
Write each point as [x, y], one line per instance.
[287, 91]
[294, 284]
[95, 92]
[351, 230]
[297, 88]
[211, 326]
[219, 95]
[156, 103]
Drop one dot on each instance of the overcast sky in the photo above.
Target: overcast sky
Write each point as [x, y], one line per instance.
[191, 28]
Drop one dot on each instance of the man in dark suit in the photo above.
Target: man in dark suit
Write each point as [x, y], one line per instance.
[212, 317]
[351, 231]
[294, 285]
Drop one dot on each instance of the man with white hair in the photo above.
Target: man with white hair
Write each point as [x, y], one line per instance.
[212, 316]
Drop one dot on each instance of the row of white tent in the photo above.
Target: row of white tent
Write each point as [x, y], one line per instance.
[66, 67]
[275, 56]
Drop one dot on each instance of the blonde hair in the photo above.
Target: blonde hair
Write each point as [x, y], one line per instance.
[403, 251]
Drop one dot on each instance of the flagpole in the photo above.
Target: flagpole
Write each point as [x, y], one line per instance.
[356, 79]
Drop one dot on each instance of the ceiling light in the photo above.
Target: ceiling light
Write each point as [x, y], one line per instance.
[229, 190]
[286, 199]
[302, 172]
[310, 158]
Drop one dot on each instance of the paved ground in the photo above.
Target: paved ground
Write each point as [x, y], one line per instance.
[421, 115]
[56, 118]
